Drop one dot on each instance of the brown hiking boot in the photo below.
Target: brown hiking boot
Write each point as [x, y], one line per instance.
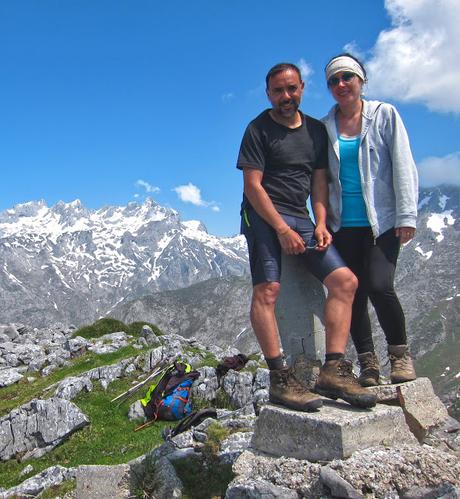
[402, 367]
[286, 390]
[369, 369]
[336, 380]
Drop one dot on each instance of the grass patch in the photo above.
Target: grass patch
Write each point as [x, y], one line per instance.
[15, 395]
[204, 478]
[108, 325]
[109, 439]
[59, 490]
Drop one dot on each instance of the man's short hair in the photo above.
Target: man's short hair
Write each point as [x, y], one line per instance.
[278, 68]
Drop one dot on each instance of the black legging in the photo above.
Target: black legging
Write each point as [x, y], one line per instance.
[374, 265]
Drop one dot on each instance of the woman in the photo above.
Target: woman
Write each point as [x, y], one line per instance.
[373, 194]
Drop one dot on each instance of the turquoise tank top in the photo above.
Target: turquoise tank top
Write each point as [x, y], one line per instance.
[354, 212]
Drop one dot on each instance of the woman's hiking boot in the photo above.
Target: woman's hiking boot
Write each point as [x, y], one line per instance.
[402, 367]
[369, 369]
[336, 380]
[286, 390]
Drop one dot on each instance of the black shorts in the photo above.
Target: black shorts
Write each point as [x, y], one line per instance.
[265, 249]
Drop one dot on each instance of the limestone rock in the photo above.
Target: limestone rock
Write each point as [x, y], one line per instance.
[37, 427]
[232, 447]
[258, 489]
[387, 472]
[150, 337]
[102, 482]
[238, 387]
[9, 376]
[337, 485]
[136, 411]
[422, 408]
[206, 386]
[33, 486]
[167, 484]
[70, 387]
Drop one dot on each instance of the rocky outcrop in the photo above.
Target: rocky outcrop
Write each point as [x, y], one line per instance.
[35, 485]
[36, 428]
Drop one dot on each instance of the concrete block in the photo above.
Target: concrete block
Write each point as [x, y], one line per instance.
[422, 407]
[334, 432]
[299, 310]
[103, 482]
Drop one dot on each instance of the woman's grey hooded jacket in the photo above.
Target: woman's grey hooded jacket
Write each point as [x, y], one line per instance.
[388, 173]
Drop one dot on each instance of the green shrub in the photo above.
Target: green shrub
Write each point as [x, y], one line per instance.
[109, 325]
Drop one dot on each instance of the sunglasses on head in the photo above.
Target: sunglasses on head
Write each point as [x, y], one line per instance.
[346, 77]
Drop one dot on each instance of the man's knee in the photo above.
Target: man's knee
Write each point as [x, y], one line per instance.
[266, 293]
[341, 281]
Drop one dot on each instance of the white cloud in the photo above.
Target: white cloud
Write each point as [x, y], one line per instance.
[353, 49]
[190, 193]
[227, 97]
[148, 187]
[417, 59]
[305, 70]
[435, 170]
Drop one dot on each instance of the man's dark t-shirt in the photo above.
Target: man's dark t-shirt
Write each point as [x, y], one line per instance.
[287, 158]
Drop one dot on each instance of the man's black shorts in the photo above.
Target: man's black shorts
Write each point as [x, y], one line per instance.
[265, 249]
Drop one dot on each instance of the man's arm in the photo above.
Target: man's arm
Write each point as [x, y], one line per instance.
[320, 196]
[290, 241]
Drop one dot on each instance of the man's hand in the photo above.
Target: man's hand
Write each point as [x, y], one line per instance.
[323, 237]
[405, 234]
[291, 242]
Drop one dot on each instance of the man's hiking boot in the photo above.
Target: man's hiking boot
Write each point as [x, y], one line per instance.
[402, 367]
[369, 369]
[286, 390]
[336, 380]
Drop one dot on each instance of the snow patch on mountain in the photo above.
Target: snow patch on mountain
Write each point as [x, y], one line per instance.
[439, 221]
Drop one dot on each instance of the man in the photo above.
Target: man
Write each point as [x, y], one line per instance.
[283, 153]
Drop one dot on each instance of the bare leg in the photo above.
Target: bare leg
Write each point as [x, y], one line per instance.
[263, 318]
[341, 285]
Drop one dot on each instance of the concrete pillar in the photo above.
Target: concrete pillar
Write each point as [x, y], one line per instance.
[299, 311]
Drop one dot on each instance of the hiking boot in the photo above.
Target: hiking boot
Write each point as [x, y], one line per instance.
[336, 380]
[369, 369]
[402, 367]
[286, 390]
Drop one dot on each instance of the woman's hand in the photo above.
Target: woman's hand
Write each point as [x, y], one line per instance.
[405, 234]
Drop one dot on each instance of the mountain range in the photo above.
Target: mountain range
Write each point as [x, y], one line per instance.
[70, 264]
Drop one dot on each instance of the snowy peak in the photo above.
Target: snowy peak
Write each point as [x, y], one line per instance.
[79, 262]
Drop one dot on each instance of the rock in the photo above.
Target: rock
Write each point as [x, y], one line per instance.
[27, 470]
[77, 345]
[70, 387]
[238, 387]
[258, 489]
[9, 377]
[136, 411]
[443, 492]
[37, 427]
[102, 482]
[35, 485]
[334, 432]
[206, 386]
[385, 472]
[150, 337]
[232, 446]
[292, 476]
[337, 485]
[11, 332]
[422, 408]
[167, 484]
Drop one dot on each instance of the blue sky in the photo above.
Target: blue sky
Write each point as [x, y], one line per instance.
[110, 101]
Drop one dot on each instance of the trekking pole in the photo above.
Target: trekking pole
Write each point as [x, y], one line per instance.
[158, 369]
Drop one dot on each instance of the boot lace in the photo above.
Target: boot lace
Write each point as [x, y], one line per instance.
[369, 364]
[400, 363]
[290, 381]
[345, 370]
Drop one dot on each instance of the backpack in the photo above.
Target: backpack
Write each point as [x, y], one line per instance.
[169, 397]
